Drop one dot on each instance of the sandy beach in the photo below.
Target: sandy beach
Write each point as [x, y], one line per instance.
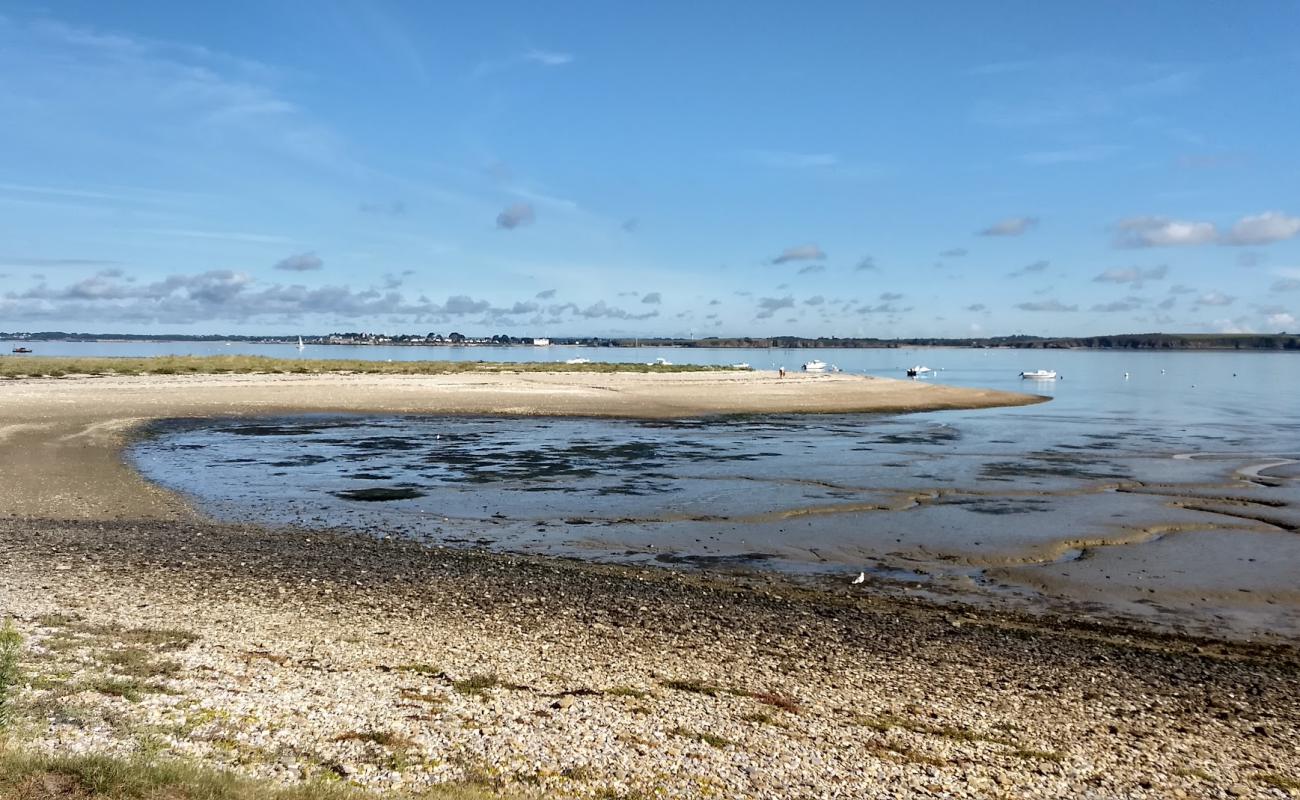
[306, 655]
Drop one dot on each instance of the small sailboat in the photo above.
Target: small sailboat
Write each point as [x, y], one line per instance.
[301, 346]
[1039, 375]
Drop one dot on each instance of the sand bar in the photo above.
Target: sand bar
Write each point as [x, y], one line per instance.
[63, 436]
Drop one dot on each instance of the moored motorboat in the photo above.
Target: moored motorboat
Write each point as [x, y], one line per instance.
[1039, 375]
[919, 372]
[578, 361]
[22, 350]
[659, 362]
[816, 365]
[741, 365]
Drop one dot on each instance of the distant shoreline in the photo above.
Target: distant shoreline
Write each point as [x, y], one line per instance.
[1163, 342]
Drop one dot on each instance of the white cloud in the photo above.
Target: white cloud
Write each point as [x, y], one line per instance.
[1137, 276]
[1038, 266]
[1011, 226]
[1215, 299]
[515, 216]
[1045, 305]
[767, 306]
[1163, 232]
[803, 252]
[301, 262]
[548, 58]
[1271, 226]
[1281, 321]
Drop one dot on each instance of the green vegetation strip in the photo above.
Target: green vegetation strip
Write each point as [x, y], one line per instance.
[31, 776]
[61, 366]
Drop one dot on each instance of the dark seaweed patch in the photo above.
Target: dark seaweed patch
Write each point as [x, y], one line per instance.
[379, 494]
[712, 561]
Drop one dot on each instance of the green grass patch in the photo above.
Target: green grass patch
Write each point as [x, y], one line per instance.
[694, 686]
[130, 689]
[885, 722]
[710, 739]
[421, 669]
[59, 366]
[1278, 781]
[29, 776]
[626, 691]
[11, 643]
[1037, 755]
[481, 683]
[139, 663]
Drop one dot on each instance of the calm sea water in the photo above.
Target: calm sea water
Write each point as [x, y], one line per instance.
[1169, 494]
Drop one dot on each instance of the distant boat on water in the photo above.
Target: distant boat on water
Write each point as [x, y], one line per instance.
[741, 365]
[816, 365]
[578, 360]
[22, 349]
[301, 346]
[1039, 375]
[919, 372]
[659, 362]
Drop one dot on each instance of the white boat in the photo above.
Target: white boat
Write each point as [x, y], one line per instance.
[919, 372]
[301, 346]
[578, 360]
[1039, 375]
[816, 365]
[741, 365]
[659, 362]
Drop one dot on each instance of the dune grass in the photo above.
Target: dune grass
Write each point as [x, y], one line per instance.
[61, 366]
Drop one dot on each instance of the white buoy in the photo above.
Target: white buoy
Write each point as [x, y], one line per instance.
[1125, 376]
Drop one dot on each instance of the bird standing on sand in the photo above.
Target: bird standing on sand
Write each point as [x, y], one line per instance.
[862, 578]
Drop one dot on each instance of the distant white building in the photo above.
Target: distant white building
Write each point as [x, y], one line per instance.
[541, 342]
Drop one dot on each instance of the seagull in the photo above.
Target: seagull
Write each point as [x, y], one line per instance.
[862, 578]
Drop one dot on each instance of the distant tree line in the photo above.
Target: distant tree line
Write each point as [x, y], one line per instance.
[1127, 341]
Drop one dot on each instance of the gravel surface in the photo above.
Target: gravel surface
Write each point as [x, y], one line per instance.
[292, 654]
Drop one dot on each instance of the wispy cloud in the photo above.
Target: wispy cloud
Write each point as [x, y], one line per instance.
[812, 268]
[1215, 299]
[1045, 305]
[867, 264]
[224, 236]
[300, 262]
[1136, 276]
[1128, 304]
[652, 298]
[955, 252]
[1030, 269]
[533, 56]
[785, 159]
[803, 252]
[767, 306]
[1011, 226]
[515, 216]
[1071, 155]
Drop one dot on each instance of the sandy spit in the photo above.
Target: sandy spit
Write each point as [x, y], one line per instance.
[62, 437]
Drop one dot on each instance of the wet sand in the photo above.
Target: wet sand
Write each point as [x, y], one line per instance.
[65, 435]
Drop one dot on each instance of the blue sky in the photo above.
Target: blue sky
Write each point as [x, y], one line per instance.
[939, 169]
